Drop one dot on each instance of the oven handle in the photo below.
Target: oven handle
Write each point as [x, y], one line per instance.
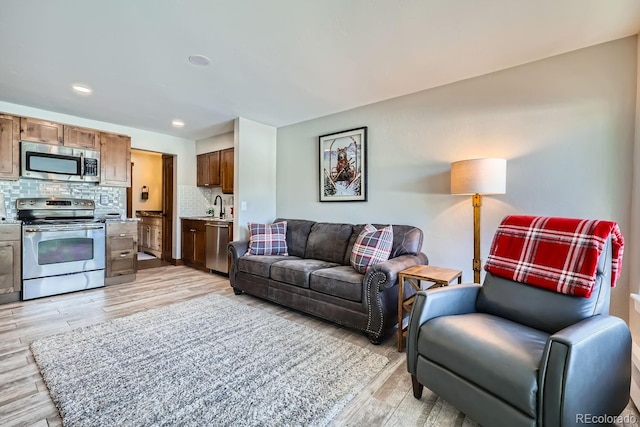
[72, 228]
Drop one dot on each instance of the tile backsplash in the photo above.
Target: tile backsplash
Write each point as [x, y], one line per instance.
[195, 201]
[107, 199]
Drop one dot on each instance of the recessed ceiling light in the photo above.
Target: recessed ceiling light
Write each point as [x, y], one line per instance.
[199, 60]
[82, 89]
[177, 123]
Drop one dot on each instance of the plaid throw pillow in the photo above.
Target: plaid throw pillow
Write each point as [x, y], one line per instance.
[372, 247]
[268, 239]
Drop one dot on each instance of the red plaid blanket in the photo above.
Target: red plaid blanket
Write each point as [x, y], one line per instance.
[560, 254]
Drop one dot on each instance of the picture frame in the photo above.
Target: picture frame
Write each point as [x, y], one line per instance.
[343, 166]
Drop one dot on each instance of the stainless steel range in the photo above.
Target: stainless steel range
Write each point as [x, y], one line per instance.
[63, 246]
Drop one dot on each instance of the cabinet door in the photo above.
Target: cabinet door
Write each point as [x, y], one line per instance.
[202, 167]
[214, 168]
[188, 242]
[156, 236]
[41, 131]
[200, 250]
[115, 160]
[81, 137]
[9, 147]
[9, 267]
[227, 171]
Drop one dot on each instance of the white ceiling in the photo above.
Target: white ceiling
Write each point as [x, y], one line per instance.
[274, 61]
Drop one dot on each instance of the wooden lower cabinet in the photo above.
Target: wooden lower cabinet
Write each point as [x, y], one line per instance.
[122, 252]
[194, 243]
[150, 235]
[10, 262]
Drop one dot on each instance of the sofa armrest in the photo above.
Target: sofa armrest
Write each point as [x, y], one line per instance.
[586, 369]
[385, 275]
[236, 249]
[447, 301]
[379, 297]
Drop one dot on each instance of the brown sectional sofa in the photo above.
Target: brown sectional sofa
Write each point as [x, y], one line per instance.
[317, 277]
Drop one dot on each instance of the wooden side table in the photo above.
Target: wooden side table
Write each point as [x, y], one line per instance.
[415, 275]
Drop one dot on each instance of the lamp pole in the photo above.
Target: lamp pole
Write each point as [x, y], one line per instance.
[476, 200]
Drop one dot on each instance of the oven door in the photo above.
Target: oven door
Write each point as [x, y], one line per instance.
[55, 249]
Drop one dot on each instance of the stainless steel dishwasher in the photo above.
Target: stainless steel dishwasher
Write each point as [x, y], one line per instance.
[217, 235]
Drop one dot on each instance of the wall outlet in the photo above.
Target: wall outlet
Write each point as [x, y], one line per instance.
[104, 199]
[243, 206]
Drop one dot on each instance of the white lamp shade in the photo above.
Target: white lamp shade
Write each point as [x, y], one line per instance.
[479, 176]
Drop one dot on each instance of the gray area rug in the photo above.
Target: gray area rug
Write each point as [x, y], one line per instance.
[207, 361]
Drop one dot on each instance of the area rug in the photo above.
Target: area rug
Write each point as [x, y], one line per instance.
[207, 361]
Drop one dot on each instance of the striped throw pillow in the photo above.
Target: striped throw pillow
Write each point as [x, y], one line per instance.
[372, 247]
[268, 239]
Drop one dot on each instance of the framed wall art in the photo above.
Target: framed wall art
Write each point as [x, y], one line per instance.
[343, 166]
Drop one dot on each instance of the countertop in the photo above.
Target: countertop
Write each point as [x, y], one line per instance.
[153, 214]
[10, 221]
[208, 218]
[122, 219]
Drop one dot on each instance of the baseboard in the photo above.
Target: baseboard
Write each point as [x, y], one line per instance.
[9, 297]
[118, 280]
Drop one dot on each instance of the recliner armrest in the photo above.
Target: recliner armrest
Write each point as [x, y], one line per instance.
[447, 301]
[589, 356]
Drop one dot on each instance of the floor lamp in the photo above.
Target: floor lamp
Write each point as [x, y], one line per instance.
[478, 177]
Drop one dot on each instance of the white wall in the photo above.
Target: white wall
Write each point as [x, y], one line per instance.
[215, 143]
[183, 149]
[254, 174]
[565, 125]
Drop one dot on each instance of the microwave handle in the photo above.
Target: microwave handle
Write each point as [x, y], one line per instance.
[81, 164]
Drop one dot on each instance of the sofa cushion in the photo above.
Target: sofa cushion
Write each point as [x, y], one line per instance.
[260, 265]
[372, 247]
[297, 234]
[342, 282]
[328, 242]
[296, 272]
[268, 239]
[501, 355]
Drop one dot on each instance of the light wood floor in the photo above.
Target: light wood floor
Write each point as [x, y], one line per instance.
[24, 399]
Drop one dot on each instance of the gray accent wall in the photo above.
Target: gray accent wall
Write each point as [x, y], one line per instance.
[565, 124]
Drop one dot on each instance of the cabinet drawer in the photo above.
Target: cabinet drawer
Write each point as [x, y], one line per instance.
[120, 228]
[118, 245]
[10, 232]
[122, 266]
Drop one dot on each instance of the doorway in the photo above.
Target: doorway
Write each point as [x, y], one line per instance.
[150, 198]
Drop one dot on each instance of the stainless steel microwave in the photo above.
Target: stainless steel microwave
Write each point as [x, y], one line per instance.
[60, 163]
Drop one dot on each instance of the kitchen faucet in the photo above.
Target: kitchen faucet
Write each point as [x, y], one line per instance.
[215, 203]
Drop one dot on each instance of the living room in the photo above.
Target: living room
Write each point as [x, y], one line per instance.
[564, 118]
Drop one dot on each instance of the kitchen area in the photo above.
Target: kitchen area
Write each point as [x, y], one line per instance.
[66, 217]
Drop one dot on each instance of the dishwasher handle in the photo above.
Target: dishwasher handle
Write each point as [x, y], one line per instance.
[213, 224]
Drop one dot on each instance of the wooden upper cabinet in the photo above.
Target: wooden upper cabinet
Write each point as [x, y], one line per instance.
[202, 167]
[214, 168]
[41, 131]
[81, 137]
[208, 169]
[227, 170]
[115, 160]
[9, 147]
